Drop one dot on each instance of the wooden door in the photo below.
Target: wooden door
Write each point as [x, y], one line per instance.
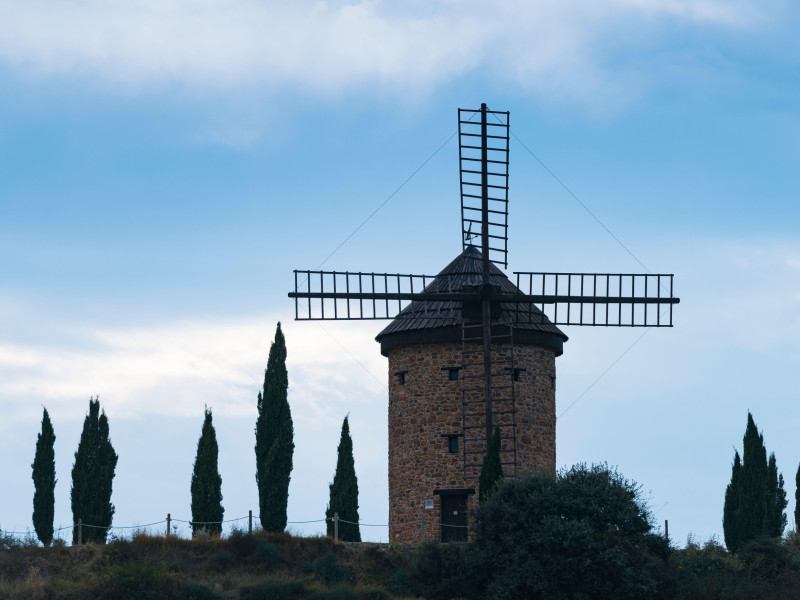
[454, 518]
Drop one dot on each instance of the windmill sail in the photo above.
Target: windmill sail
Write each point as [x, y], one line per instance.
[483, 167]
[584, 299]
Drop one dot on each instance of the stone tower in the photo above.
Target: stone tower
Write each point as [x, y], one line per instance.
[426, 349]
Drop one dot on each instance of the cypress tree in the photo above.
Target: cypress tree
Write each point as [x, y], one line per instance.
[92, 477]
[44, 481]
[754, 483]
[344, 490]
[797, 500]
[206, 484]
[755, 499]
[730, 514]
[274, 439]
[775, 501]
[492, 468]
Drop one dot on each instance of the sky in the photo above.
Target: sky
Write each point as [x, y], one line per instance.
[166, 164]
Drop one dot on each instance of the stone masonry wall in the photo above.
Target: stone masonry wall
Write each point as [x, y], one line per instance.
[428, 406]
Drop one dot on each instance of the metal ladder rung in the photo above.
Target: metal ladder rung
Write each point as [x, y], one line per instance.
[483, 402]
[494, 413]
[484, 426]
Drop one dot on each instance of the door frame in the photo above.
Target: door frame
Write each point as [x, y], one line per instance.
[453, 492]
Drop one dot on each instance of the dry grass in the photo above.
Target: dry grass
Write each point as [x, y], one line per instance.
[263, 565]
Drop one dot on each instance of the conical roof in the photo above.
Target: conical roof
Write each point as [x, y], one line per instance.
[437, 321]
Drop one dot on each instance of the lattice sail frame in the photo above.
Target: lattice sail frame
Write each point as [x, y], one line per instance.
[474, 128]
[580, 299]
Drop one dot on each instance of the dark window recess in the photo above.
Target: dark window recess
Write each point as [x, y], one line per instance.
[452, 372]
[401, 377]
[515, 372]
[452, 442]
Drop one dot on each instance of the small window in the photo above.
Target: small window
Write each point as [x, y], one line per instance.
[515, 372]
[401, 377]
[452, 372]
[452, 444]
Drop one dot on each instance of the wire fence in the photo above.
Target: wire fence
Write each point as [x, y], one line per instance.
[170, 529]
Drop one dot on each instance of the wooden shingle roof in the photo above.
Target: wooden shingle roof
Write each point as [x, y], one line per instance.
[432, 321]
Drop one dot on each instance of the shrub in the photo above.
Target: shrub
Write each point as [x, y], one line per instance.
[222, 559]
[268, 553]
[400, 584]
[135, 580]
[337, 593]
[243, 544]
[584, 534]
[119, 551]
[274, 590]
[440, 571]
[328, 569]
[374, 594]
[197, 591]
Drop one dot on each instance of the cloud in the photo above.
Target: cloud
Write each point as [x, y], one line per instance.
[175, 369]
[338, 46]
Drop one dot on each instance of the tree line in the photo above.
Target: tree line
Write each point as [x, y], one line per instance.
[95, 464]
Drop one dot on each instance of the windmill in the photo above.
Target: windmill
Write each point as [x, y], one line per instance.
[472, 296]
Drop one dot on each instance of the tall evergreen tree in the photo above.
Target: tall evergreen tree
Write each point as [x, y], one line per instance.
[274, 439]
[92, 477]
[492, 468]
[44, 481]
[754, 482]
[755, 499]
[797, 500]
[344, 490]
[731, 522]
[206, 485]
[775, 501]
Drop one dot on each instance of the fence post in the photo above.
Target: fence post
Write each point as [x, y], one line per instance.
[169, 520]
[250, 523]
[80, 531]
[423, 527]
[336, 526]
[666, 529]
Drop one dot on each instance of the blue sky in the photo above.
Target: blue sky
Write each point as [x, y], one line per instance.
[165, 165]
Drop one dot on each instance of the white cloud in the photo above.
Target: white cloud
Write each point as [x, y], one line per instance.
[330, 46]
[175, 369]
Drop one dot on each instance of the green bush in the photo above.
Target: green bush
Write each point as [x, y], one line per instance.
[330, 571]
[197, 591]
[400, 584]
[337, 593]
[268, 553]
[242, 543]
[374, 593]
[135, 580]
[222, 559]
[120, 551]
[440, 571]
[274, 590]
[583, 534]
